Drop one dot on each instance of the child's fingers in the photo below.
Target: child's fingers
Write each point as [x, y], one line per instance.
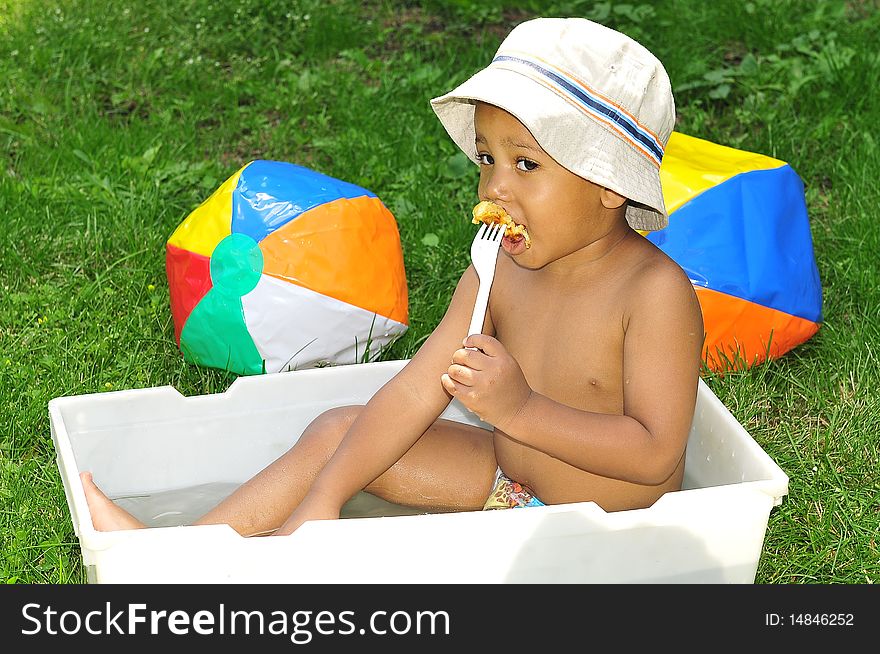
[473, 359]
[489, 345]
[461, 374]
[449, 385]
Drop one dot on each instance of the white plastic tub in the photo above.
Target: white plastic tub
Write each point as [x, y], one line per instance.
[152, 440]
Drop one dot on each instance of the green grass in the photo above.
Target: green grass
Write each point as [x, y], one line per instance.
[118, 118]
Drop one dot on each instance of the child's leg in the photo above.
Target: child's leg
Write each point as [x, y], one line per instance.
[450, 467]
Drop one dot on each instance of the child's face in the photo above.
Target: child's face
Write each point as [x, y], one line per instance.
[563, 212]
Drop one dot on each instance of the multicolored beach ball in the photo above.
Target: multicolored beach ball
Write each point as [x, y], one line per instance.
[284, 268]
[738, 225]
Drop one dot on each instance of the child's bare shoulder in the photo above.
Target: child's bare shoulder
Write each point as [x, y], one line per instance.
[661, 283]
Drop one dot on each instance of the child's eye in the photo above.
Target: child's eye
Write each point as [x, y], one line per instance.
[485, 159]
[526, 164]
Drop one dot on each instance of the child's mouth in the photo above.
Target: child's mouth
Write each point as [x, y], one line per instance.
[517, 236]
[514, 245]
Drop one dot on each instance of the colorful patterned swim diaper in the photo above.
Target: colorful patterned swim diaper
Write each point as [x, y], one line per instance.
[509, 494]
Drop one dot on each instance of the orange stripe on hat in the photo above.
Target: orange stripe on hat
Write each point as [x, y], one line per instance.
[590, 88]
[740, 333]
[593, 116]
[347, 249]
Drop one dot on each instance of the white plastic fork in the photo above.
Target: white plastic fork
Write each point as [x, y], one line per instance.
[484, 255]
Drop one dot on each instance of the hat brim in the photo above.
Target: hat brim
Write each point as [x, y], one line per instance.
[574, 139]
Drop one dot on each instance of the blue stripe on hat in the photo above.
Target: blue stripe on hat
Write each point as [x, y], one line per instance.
[597, 105]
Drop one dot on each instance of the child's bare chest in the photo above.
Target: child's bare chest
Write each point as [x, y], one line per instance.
[569, 346]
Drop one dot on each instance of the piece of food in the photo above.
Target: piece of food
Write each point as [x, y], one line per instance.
[491, 214]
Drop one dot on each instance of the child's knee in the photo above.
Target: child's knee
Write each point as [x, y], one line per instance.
[333, 423]
[324, 433]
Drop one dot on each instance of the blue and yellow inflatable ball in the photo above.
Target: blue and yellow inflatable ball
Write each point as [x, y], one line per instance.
[739, 227]
[285, 268]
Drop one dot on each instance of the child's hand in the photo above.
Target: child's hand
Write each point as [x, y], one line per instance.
[488, 380]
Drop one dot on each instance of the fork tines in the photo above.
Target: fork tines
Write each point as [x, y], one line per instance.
[489, 232]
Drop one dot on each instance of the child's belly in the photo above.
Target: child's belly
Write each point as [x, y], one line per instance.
[556, 482]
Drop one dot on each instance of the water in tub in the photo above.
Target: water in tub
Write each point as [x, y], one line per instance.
[182, 506]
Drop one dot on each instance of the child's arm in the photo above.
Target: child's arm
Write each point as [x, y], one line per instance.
[394, 418]
[662, 349]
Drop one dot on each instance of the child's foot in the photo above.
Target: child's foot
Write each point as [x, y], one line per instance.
[106, 516]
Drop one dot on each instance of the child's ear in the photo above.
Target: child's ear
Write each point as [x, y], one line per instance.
[611, 199]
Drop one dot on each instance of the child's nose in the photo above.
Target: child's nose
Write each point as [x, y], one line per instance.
[497, 186]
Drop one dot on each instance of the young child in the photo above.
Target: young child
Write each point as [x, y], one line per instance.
[589, 359]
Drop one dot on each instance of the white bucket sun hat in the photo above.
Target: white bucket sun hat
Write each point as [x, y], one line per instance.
[596, 101]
